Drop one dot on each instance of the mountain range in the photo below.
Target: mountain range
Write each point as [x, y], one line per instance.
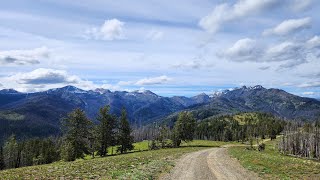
[38, 114]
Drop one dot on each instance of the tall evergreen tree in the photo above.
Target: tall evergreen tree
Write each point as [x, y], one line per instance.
[125, 140]
[11, 152]
[184, 128]
[106, 130]
[76, 133]
[2, 166]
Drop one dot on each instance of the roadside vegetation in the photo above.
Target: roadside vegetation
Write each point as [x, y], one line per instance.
[137, 165]
[271, 164]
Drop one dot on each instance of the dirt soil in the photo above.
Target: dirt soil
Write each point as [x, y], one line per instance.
[214, 163]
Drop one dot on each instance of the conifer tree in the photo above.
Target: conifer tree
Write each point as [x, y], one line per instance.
[106, 130]
[11, 152]
[125, 140]
[76, 134]
[184, 128]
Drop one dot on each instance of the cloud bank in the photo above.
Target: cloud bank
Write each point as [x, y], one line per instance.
[24, 57]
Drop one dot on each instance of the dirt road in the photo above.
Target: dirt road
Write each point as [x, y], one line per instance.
[213, 163]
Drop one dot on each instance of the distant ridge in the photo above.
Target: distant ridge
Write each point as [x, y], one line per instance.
[42, 111]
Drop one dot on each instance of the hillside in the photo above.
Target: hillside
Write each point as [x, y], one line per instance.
[256, 99]
[39, 114]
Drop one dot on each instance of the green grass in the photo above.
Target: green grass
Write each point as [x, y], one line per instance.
[136, 165]
[139, 146]
[270, 164]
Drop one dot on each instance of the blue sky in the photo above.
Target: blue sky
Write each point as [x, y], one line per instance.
[169, 47]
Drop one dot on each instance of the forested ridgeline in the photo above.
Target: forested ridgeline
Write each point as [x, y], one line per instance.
[237, 127]
[301, 140]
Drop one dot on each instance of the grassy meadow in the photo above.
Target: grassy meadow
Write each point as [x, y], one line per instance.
[270, 164]
[140, 164]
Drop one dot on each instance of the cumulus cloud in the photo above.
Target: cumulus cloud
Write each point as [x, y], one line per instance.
[24, 57]
[242, 50]
[111, 29]
[153, 80]
[292, 53]
[45, 76]
[285, 51]
[289, 26]
[225, 13]
[155, 35]
[43, 79]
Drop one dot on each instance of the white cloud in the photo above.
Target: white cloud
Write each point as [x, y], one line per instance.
[194, 64]
[225, 13]
[45, 76]
[300, 5]
[23, 57]
[146, 81]
[289, 26]
[242, 50]
[314, 42]
[155, 35]
[310, 84]
[125, 83]
[291, 53]
[43, 79]
[308, 93]
[285, 51]
[153, 80]
[112, 29]
[111, 87]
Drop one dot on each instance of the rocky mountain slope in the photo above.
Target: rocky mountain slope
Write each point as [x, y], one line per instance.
[257, 98]
[39, 114]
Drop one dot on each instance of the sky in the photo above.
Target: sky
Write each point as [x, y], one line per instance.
[181, 47]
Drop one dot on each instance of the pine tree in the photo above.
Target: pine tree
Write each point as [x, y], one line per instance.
[125, 140]
[11, 152]
[106, 130]
[184, 128]
[76, 134]
[2, 166]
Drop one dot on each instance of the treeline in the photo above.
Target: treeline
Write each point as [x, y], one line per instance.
[240, 127]
[301, 140]
[80, 138]
[244, 127]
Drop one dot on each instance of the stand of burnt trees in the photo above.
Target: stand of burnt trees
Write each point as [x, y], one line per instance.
[302, 140]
